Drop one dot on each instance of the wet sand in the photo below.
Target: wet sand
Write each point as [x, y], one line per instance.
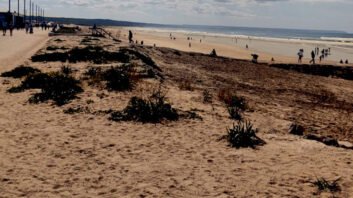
[283, 51]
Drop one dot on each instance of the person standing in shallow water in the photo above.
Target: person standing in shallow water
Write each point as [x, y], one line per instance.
[130, 37]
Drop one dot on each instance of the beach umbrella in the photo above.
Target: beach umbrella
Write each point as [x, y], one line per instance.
[9, 5]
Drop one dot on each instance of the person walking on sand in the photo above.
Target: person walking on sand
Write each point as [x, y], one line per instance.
[30, 28]
[11, 28]
[4, 28]
[27, 28]
[312, 57]
[300, 55]
[130, 37]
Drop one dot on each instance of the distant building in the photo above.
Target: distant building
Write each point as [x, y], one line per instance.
[17, 21]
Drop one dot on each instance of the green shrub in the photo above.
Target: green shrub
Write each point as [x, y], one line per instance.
[324, 185]
[119, 78]
[243, 135]
[207, 96]
[235, 113]
[20, 72]
[59, 88]
[66, 70]
[153, 110]
[54, 86]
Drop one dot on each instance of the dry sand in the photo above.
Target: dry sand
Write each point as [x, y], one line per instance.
[46, 153]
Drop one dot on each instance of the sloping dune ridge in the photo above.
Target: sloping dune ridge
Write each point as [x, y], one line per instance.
[45, 152]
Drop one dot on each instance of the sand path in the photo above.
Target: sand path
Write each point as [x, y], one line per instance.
[16, 49]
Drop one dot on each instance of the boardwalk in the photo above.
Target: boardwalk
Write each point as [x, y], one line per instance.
[14, 50]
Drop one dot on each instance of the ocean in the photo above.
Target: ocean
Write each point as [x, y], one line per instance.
[260, 32]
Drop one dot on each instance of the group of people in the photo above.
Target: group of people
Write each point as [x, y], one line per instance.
[324, 53]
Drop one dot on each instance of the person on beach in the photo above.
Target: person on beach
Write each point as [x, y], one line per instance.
[341, 61]
[26, 27]
[4, 28]
[130, 37]
[189, 44]
[247, 46]
[11, 28]
[31, 28]
[312, 57]
[300, 55]
[347, 61]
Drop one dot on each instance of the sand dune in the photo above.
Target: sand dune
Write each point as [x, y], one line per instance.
[46, 153]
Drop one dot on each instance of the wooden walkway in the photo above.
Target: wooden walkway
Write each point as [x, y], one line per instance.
[102, 32]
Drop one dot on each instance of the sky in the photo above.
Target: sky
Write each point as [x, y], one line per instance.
[298, 14]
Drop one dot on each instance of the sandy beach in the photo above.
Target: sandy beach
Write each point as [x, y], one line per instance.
[282, 50]
[45, 152]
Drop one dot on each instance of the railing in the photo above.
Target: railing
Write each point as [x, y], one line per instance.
[102, 32]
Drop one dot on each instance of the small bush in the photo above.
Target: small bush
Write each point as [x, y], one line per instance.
[119, 78]
[235, 113]
[52, 48]
[33, 81]
[153, 110]
[243, 135]
[186, 85]
[59, 88]
[207, 96]
[54, 86]
[296, 129]
[59, 40]
[66, 70]
[20, 72]
[235, 105]
[324, 185]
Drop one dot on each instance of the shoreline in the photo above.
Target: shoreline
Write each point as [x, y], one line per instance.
[282, 50]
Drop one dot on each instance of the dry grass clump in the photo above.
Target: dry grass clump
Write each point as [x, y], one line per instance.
[20, 72]
[235, 105]
[243, 135]
[186, 84]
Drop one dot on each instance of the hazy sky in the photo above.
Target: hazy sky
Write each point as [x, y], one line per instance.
[306, 14]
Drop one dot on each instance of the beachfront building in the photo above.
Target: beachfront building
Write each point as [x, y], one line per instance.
[12, 18]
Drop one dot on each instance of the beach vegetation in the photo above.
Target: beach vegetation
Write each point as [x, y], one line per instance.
[207, 96]
[296, 129]
[118, 78]
[243, 135]
[66, 70]
[54, 86]
[155, 109]
[20, 72]
[186, 84]
[324, 185]
[235, 113]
